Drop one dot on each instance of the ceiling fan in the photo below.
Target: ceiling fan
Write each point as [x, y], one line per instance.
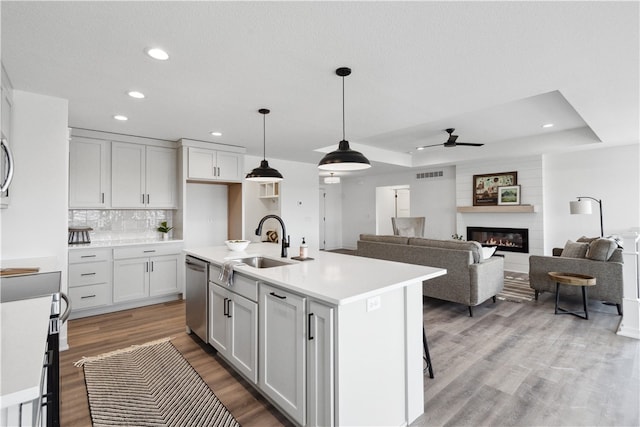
[452, 141]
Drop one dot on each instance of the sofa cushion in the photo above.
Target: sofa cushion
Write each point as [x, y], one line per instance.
[398, 240]
[474, 247]
[574, 249]
[601, 249]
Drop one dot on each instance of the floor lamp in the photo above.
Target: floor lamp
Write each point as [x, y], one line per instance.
[584, 207]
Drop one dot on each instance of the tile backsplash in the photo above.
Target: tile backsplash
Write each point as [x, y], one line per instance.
[120, 224]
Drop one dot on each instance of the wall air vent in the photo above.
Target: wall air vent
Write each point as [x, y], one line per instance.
[423, 175]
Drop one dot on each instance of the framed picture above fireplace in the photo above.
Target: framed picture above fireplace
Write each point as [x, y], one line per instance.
[485, 187]
[509, 195]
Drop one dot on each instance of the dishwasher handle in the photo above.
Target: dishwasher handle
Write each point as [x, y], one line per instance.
[197, 266]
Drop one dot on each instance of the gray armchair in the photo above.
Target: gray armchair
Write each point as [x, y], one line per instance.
[608, 274]
[408, 226]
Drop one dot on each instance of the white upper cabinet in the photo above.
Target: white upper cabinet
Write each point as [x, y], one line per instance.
[143, 176]
[89, 173]
[161, 177]
[214, 165]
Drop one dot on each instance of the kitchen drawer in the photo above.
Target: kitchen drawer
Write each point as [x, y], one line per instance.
[88, 273]
[89, 255]
[90, 296]
[242, 285]
[146, 251]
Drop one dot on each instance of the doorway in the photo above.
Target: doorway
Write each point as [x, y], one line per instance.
[391, 201]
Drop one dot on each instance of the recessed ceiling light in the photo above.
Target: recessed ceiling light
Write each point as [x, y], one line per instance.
[216, 133]
[547, 125]
[158, 54]
[120, 117]
[136, 94]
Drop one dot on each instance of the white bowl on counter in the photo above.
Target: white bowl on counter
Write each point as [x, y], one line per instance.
[237, 245]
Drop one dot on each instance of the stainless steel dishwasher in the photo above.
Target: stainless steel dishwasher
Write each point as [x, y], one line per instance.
[196, 296]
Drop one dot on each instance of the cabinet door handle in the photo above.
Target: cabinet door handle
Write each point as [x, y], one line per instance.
[146, 267]
[102, 197]
[88, 296]
[149, 250]
[88, 274]
[152, 266]
[309, 326]
[224, 308]
[87, 256]
[277, 296]
[143, 198]
[229, 307]
[147, 199]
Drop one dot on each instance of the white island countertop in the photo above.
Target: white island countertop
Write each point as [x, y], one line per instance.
[25, 326]
[330, 277]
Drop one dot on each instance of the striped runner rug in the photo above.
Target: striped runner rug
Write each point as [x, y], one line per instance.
[516, 289]
[150, 385]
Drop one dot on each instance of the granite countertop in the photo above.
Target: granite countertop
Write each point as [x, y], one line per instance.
[330, 277]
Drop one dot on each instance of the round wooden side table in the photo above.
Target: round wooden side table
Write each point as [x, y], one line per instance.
[572, 279]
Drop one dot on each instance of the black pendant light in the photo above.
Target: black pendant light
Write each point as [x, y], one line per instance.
[264, 173]
[344, 158]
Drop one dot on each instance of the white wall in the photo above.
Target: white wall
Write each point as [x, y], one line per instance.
[610, 174]
[299, 207]
[433, 198]
[35, 224]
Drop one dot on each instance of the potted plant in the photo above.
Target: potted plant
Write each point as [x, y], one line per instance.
[164, 229]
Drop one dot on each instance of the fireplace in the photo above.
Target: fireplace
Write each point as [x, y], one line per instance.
[506, 239]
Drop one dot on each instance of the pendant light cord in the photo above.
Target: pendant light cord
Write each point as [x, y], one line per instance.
[343, 108]
[264, 137]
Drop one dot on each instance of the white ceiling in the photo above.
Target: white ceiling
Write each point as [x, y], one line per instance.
[495, 71]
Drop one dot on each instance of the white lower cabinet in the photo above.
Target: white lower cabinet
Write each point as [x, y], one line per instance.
[320, 365]
[146, 271]
[233, 329]
[282, 350]
[89, 280]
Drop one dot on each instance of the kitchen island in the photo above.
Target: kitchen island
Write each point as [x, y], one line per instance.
[336, 340]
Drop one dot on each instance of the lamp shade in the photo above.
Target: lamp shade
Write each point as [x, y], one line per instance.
[580, 207]
[344, 159]
[264, 173]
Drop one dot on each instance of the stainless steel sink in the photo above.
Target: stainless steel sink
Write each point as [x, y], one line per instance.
[262, 262]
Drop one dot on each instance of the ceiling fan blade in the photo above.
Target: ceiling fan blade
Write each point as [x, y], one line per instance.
[470, 144]
[433, 145]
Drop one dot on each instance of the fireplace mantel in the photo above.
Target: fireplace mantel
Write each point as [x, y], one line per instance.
[497, 209]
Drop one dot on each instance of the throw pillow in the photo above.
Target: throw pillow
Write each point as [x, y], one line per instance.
[488, 251]
[601, 249]
[574, 250]
[585, 239]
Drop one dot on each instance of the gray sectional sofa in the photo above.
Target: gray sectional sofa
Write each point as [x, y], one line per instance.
[470, 279]
[607, 268]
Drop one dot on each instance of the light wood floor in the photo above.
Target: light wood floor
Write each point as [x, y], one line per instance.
[510, 365]
[98, 334]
